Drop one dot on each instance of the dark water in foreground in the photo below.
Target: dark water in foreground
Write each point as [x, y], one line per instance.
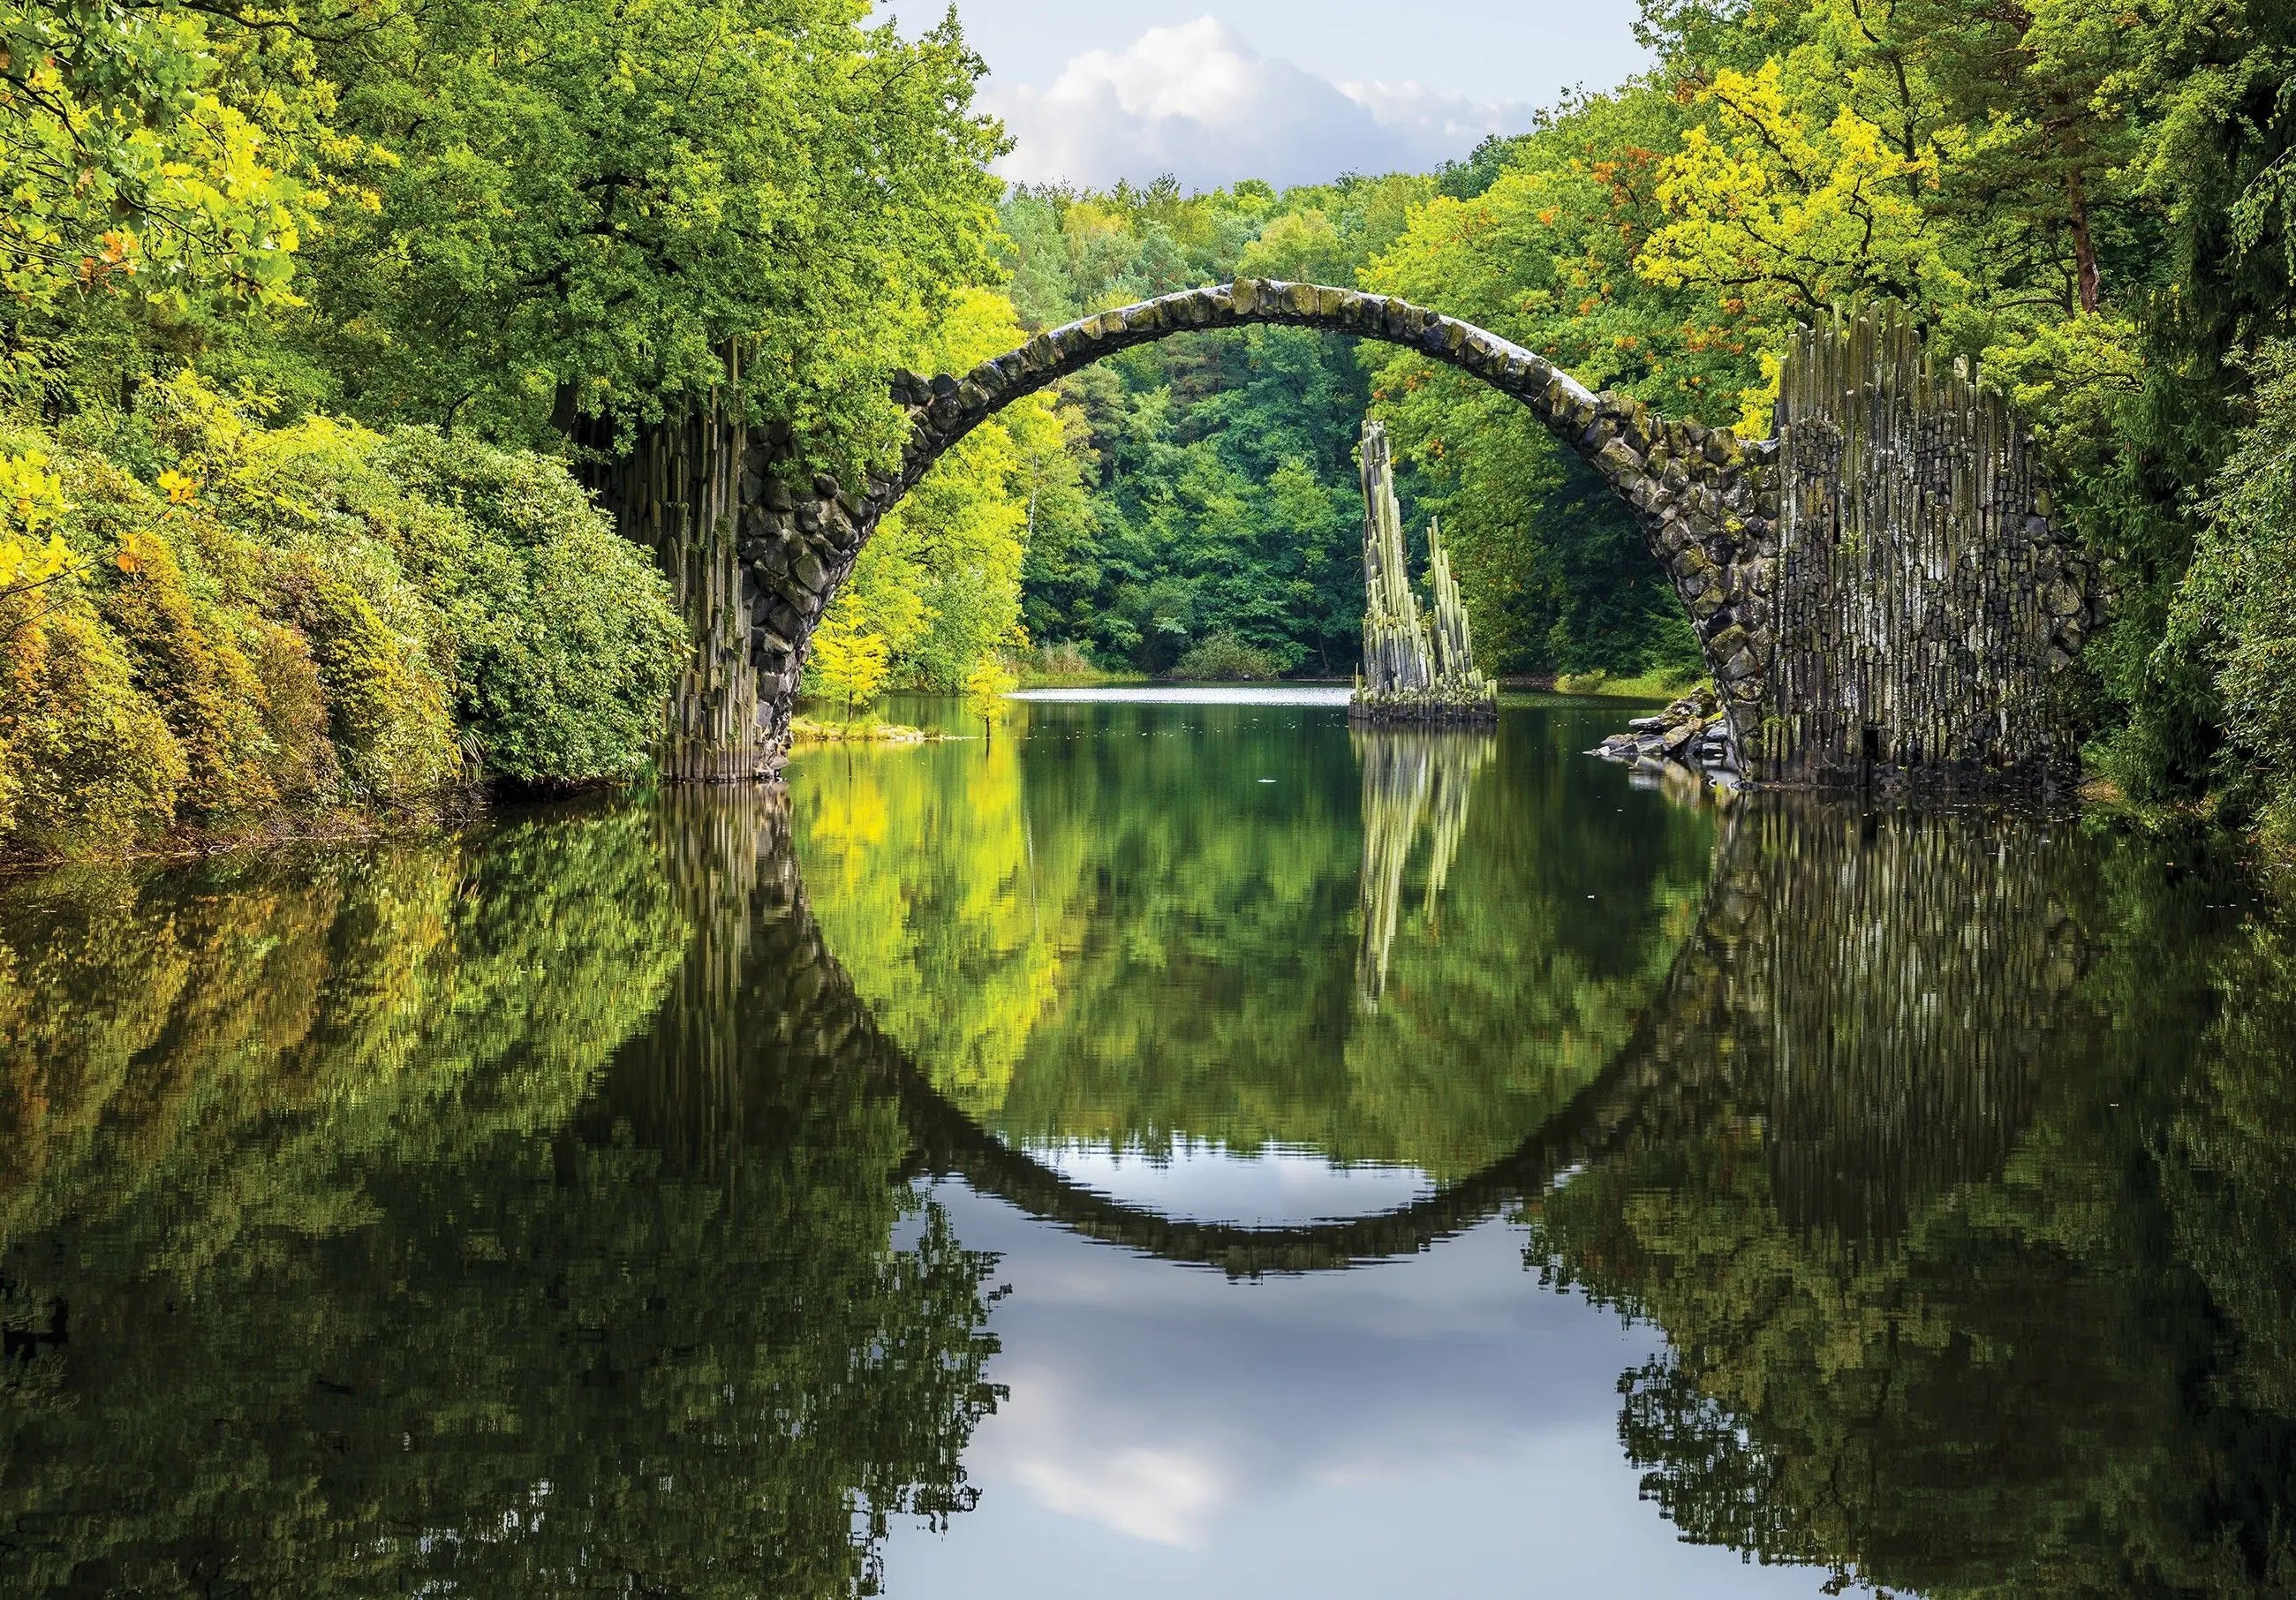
[1168, 1149]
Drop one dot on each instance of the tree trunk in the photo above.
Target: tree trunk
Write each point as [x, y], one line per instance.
[2088, 279]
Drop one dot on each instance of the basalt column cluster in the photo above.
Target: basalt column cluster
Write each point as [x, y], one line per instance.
[1411, 672]
[1928, 610]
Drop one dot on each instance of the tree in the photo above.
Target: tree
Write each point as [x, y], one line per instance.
[1557, 574]
[849, 662]
[2232, 614]
[158, 149]
[940, 579]
[1796, 201]
[985, 689]
[590, 210]
[1217, 485]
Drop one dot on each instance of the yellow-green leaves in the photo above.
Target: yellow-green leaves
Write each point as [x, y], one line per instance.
[940, 582]
[985, 688]
[131, 162]
[619, 210]
[1793, 200]
[851, 662]
[31, 499]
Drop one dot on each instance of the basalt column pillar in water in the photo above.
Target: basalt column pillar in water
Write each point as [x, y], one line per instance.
[1409, 673]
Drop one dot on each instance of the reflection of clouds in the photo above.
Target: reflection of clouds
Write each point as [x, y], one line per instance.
[1277, 1186]
[1165, 1495]
[1440, 1424]
[1162, 1402]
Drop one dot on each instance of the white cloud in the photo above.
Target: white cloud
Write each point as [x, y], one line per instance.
[1045, 1438]
[1195, 101]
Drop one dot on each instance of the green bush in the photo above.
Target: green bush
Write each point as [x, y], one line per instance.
[1223, 658]
[566, 638]
[295, 622]
[2236, 609]
[91, 766]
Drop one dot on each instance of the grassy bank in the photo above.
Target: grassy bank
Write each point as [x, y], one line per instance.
[1664, 684]
[809, 730]
[1092, 679]
[1063, 667]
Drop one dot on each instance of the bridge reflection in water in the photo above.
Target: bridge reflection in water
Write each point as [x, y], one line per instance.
[1947, 1156]
[1877, 993]
[1952, 1152]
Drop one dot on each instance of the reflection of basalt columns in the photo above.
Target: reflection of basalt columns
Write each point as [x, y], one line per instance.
[680, 1083]
[1409, 775]
[1920, 965]
[1405, 676]
[1881, 987]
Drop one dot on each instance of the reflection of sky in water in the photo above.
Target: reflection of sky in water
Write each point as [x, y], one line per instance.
[1206, 1183]
[1181, 694]
[1437, 1425]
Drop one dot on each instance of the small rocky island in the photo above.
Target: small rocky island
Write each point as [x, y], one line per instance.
[1407, 677]
[1691, 737]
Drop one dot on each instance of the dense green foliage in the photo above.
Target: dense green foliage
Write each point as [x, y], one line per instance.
[504, 217]
[549, 228]
[1220, 491]
[2094, 203]
[291, 623]
[2233, 612]
[413, 242]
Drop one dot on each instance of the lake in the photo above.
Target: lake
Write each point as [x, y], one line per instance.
[1175, 1144]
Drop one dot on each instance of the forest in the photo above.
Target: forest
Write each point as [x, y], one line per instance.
[321, 318]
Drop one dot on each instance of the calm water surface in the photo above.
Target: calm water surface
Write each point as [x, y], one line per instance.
[1169, 1148]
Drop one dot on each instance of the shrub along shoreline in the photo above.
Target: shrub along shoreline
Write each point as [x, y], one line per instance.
[213, 630]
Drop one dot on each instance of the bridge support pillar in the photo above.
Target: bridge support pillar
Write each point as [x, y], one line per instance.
[1926, 612]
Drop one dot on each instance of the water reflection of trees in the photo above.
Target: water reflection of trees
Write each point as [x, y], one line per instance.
[314, 1278]
[1973, 1259]
[1412, 778]
[1125, 939]
[465, 1216]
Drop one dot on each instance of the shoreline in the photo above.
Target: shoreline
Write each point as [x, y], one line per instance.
[184, 846]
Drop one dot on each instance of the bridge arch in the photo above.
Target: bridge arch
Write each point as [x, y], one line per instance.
[1878, 588]
[1707, 502]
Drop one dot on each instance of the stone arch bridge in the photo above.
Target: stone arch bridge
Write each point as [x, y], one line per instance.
[1878, 588]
